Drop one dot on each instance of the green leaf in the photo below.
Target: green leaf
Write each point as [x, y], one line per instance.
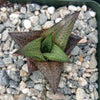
[61, 31]
[56, 54]
[32, 50]
[47, 44]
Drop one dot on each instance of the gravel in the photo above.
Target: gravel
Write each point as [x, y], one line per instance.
[78, 79]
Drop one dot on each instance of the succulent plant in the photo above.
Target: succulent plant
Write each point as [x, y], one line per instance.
[47, 50]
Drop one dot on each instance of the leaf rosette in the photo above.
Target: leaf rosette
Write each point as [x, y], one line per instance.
[47, 50]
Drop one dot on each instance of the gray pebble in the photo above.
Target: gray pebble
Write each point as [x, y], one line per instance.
[22, 97]
[93, 37]
[13, 84]
[23, 10]
[7, 60]
[93, 23]
[3, 17]
[4, 78]
[30, 84]
[1, 64]
[55, 16]
[22, 16]
[37, 77]
[75, 51]
[2, 27]
[14, 75]
[43, 19]
[93, 61]
[12, 91]
[67, 97]
[91, 87]
[31, 7]
[39, 87]
[94, 77]
[67, 90]
[19, 63]
[5, 35]
[28, 98]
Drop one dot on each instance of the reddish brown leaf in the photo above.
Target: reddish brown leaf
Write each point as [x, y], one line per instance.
[72, 42]
[22, 38]
[52, 72]
[31, 65]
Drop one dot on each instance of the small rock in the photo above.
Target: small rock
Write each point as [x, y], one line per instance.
[7, 61]
[13, 84]
[16, 6]
[34, 20]
[2, 89]
[62, 84]
[91, 70]
[93, 61]
[23, 10]
[6, 45]
[82, 82]
[22, 97]
[72, 8]
[23, 73]
[25, 68]
[67, 97]
[31, 7]
[94, 77]
[37, 28]
[91, 51]
[75, 51]
[91, 87]
[12, 91]
[36, 13]
[58, 20]
[1, 64]
[96, 95]
[51, 10]
[81, 15]
[48, 24]
[2, 27]
[30, 84]
[28, 98]
[84, 8]
[14, 75]
[80, 94]
[67, 67]
[37, 77]
[3, 17]
[5, 35]
[14, 16]
[43, 19]
[4, 9]
[33, 92]
[39, 87]
[67, 90]
[57, 96]
[27, 24]
[85, 64]
[93, 37]
[89, 14]
[55, 16]
[93, 23]
[6, 97]
[4, 78]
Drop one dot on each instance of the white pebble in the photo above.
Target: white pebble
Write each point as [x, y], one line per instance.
[92, 13]
[84, 8]
[51, 10]
[72, 8]
[58, 20]
[3, 9]
[27, 24]
[82, 82]
[48, 24]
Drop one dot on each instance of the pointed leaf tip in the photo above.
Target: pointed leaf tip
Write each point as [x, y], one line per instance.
[47, 44]
[32, 50]
[52, 72]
